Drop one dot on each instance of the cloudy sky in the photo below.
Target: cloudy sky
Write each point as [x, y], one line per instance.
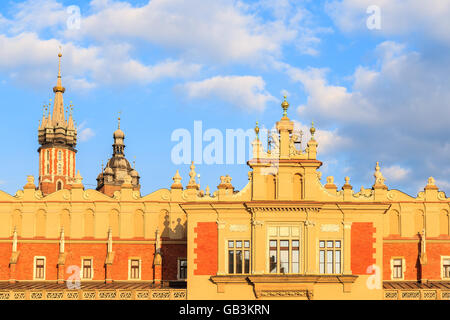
[376, 92]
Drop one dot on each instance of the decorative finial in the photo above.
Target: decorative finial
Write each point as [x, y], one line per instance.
[192, 183]
[102, 166]
[285, 106]
[177, 181]
[257, 130]
[312, 130]
[59, 63]
[379, 179]
[118, 120]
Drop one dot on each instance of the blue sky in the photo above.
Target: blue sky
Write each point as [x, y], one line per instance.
[373, 94]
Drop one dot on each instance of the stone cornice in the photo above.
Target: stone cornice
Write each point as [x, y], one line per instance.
[282, 207]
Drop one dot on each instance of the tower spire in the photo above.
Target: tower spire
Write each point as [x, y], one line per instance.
[57, 136]
[58, 103]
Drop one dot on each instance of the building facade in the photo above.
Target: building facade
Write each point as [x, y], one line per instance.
[285, 235]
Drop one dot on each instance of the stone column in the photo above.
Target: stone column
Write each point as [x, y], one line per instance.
[310, 247]
[221, 251]
[347, 247]
[157, 269]
[258, 247]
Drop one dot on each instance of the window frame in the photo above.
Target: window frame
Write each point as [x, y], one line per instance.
[290, 238]
[82, 268]
[179, 260]
[403, 266]
[130, 268]
[243, 250]
[36, 258]
[333, 249]
[443, 267]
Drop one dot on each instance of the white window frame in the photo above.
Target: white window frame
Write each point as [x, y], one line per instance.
[278, 237]
[34, 267]
[334, 249]
[82, 268]
[442, 267]
[249, 249]
[403, 268]
[178, 268]
[129, 268]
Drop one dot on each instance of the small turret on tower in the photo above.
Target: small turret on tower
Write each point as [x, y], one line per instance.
[118, 168]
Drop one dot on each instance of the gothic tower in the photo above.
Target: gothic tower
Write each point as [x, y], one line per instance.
[57, 138]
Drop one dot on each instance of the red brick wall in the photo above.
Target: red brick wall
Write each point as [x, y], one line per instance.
[5, 255]
[206, 250]
[98, 251]
[363, 250]
[170, 254]
[410, 252]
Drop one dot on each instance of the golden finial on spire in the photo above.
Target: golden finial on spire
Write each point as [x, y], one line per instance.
[118, 119]
[312, 130]
[59, 57]
[285, 106]
[257, 130]
[102, 166]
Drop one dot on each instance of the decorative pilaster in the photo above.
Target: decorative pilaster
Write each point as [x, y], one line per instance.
[14, 258]
[61, 257]
[157, 262]
[109, 258]
[347, 247]
[220, 248]
[310, 247]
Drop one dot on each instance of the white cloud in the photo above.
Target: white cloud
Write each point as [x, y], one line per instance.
[36, 15]
[443, 184]
[395, 109]
[329, 141]
[332, 101]
[246, 92]
[86, 134]
[28, 58]
[397, 17]
[395, 173]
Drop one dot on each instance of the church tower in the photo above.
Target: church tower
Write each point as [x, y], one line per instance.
[118, 170]
[57, 138]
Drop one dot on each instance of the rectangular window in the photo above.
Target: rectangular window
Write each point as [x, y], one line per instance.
[397, 272]
[135, 269]
[182, 269]
[284, 256]
[238, 256]
[446, 268]
[295, 256]
[273, 256]
[39, 272]
[87, 268]
[330, 257]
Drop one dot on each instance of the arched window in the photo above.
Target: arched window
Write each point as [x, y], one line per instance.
[59, 186]
[48, 168]
[59, 155]
[59, 169]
